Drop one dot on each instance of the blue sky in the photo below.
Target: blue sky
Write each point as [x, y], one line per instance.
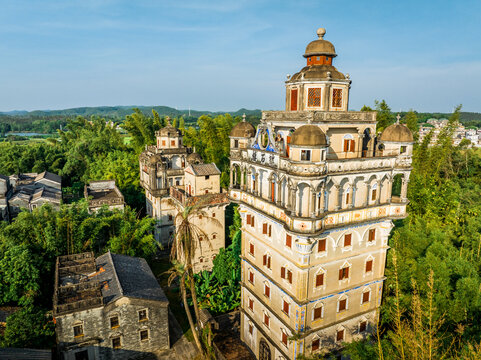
[223, 55]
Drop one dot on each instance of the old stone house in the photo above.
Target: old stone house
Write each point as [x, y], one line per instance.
[111, 307]
[103, 193]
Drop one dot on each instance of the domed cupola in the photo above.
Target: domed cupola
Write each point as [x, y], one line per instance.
[396, 139]
[319, 85]
[241, 134]
[308, 136]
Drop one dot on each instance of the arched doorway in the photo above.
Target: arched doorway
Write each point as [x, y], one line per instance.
[264, 351]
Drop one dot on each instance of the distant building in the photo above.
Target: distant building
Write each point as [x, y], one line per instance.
[436, 126]
[28, 191]
[202, 188]
[111, 307]
[173, 177]
[103, 193]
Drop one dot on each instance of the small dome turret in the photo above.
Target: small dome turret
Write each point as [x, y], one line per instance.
[170, 131]
[397, 133]
[243, 129]
[194, 158]
[308, 135]
[320, 46]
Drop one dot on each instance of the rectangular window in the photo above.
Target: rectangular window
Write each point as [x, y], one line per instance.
[172, 142]
[289, 276]
[114, 322]
[305, 155]
[336, 97]
[143, 315]
[248, 219]
[163, 142]
[213, 214]
[347, 240]
[318, 313]
[266, 320]
[251, 304]
[251, 277]
[264, 228]
[315, 344]
[252, 221]
[288, 240]
[236, 143]
[293, 99]
[116, 343]
[349, 145]
[373, 194]
[78, 330]
[144, 335]
[314, 97]
[214, 236]
[269, 233]
[368, 266]
[342, 304]
[319, 280]
[362, 326]
[251, 249]
[266, 261]
[365, 296]
[344, 273]
[284, 338]
[403, 149]
[372, 234]
[340, 335]
[267, 290]
[170, 217]
[347, 198]
[251, 329]
[321, 245]
[207, 177]
[285, 307]
[283, 272]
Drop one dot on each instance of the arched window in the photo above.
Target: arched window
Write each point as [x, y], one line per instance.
[318, 312]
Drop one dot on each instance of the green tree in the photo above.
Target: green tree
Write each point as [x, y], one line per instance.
[411, 121]
[29, 327]
[384, 115]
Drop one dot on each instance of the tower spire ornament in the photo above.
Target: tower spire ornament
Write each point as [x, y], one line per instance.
[398, 117]
[244, 117]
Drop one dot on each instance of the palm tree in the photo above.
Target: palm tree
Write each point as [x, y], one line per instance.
[186, 240]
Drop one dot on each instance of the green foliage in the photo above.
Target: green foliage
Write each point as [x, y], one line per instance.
[29, 327]
[411, 121]
[219, 290]
[142, 128]
[384, 115]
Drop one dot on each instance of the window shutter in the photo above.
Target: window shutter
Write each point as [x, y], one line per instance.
[269, 262]
[340, 335]
[293, 99]
[251, 249]
[347, 239]
[270, 230]
[286, 307]
[346, 272]
[252, 221]
[346, 145]
[369, 266]
[284, 338]
[248, 220]
[288, 240]
[289, 276]
[283, 272]
[373, 196]
[319, 279]
[264, 260]
[267, 291]
[322, 245]
[342, 305]
[251, 304]
[365, 297]
[352, 145]
[341, 274]
[372, 234]
[317, 313]
[264, 228]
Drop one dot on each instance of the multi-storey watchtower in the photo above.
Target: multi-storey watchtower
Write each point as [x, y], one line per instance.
[316, 195]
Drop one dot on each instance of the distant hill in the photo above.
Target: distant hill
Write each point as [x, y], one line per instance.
[119, 112]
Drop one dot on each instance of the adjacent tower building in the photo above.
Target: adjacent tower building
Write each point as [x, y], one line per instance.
[317, 191]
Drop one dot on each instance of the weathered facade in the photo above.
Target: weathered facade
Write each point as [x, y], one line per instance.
[103, 193]
[162, 166]
[108, 308]
[202, 190]
[28, 191]
[317, 193]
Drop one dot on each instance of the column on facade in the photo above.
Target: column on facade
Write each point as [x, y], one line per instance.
[294, 200]
[368, 193]
[326, 98]
[256, 183]
[322, 203]
[232, 176]
[404, 189]
[312, 202]
[378, 192]
[353, 195]
[390, 180]
[338, 197]
[279, 192]
[242, 173]
[359, 145]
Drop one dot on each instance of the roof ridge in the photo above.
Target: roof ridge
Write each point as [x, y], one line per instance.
[115, 274]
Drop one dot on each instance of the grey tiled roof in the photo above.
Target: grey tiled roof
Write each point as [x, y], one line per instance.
[49, 176]
[205, 169]
[127, 276]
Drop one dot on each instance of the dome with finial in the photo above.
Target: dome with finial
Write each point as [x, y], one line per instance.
[320, 46]
[170, 131]
[397, 133]
[308, 135]
[243, 129]
[194, 158]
